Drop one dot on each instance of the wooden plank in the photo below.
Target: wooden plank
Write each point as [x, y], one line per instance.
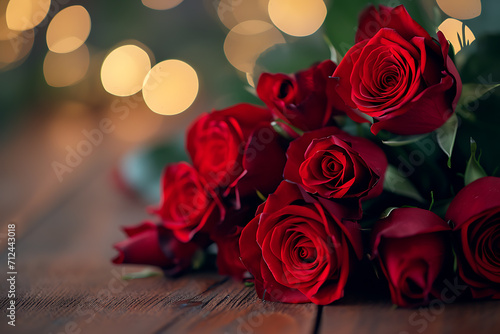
[66, 283]
[457, 318]
[234, 308]
[99, 305]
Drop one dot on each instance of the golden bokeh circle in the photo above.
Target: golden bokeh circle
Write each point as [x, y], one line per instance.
[170, 87]
[68, 30]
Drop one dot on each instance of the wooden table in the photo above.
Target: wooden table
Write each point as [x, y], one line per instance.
[66, 283]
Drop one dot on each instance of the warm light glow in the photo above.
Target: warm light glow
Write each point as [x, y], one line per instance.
[170, 87]
[13, 50]
[5, 32]
[161, 4]
[461, 9]
[452, 29]
[124, 69]
[250, 80]
[69, 119]
[66, 69]
[232, 12]
[26, 14]
[139, 126]
[68, 30]
[247, 40]
[297, 17]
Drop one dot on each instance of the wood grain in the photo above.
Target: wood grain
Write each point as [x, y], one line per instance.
[472, 317]
[66, 283]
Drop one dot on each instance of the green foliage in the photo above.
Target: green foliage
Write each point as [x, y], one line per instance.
[141, 274]
[398, 184]
[474, 170]
[403, 140]
[143, 168]
[297, 54]
[446, 135]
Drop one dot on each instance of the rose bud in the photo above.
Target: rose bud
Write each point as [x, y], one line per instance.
[298, 248]
[333, 164]
[187, 205]
[299, 99]
[475, 215]
[228, 147]
[397, 74]
[412, 248]
[151, 244]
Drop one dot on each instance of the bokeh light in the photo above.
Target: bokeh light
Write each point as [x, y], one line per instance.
[232, 12]
[247, 40]
[14, 50]
[5, 32]
[461, 9]
[66, 69]
[139, 126]
[71, 117]
[68, 30]
[161, 4]
[26, 14]
[124, 69]
[250, 80]
[170, 87]
[297, 17]
[452, 30]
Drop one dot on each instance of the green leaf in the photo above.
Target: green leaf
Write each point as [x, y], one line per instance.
[446, 135]
[261, 196]
[473, 171]
[475, 91]
[403, 140]
[455, 260]
[294, 55]
[400, 185]
[432, 201]
[293, 128]
[198, 260]
[249, 284]
[387, 212]
[363, 115]
[142, 168]
[251, 90]
[142, 274]
[334, 54]
[279, 130]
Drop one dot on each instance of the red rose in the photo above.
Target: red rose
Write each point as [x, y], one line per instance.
[334, 164]
[228, 254]
[411, 246]
[187, 204]
[298, 248]
[227, 235]
[397, 74]
[299, 99]
[231, 144]
[475, 214]
[154, 245]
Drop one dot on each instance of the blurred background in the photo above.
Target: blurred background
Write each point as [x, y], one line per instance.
[107, 86]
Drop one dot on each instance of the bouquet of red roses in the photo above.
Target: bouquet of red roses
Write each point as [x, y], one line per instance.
[298, 194]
